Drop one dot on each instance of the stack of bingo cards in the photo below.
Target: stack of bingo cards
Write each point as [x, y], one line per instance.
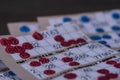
[103, 27]
[6, 73]
[69, 47]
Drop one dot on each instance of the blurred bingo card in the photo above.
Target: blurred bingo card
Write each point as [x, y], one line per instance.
[90, 23]
[31, 62]
[106, 70]
[6, 74]
[111, 39]
[23, 28]
[59, 19]
[113, 16]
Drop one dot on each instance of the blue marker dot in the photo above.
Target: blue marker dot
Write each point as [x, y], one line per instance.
[100, 30]
[118, 50]
[116, 15]
[95, 37]
[103, 42]
[24, 29]
[85, 19]
[11, 73]
[115, 28]
[67, 19]
[108, 45]
[106, 36]
[119, 35]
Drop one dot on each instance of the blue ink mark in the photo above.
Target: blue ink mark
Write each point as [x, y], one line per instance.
[115, 28]
[24, 29]
[11, 73]
[106, 36]
[119, 35]
[67, 19]
[116, 15]
[85, 19]
[95, 37]
[100, 30]
[108, 45]
[103, 42]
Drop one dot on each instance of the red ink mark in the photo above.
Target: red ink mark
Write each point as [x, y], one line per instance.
[74, 63]
[65, 44]
[67, 59]
[59, 38]
[27, 45]
[13, 40]
[49, 72]
[24, 55]
[19, 49]
[35, 63]
[10, 49]
[112, 62]
[72, 42]
[44, 60]
[80, 40]
[112, 75]
[37, 36]
[117, 65]
[103, 78]
[103, 71]
[5, 42]
[70, 76]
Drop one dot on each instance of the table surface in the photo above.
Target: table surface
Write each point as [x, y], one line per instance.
[28, 10]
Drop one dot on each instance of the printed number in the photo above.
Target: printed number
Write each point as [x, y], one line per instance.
[57, 46]
[50, 33]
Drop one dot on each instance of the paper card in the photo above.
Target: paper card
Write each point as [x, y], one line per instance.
[101, 71]
[110, 39]
[43, 66]
[51, 52]
[8, 75]
[90, 23]
[23, 28]
[34, 68]
[99, 22]
[51, 40]
[51, 20]
[113, 16]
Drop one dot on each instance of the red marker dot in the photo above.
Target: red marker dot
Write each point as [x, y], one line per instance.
[70, 76]
[103, 71]
[24, 55]
[112, 75]
[72, 42]
[10, 49]
[13, 40]
[103, 78]
[111, 62]
[27, 45]
[59, 38]
[35, 64]
[67, 59]
[80, 40]
[74, 63]
[44, 60]
[49, 72]
[117, 65]
[19, 49]
[37, 36]
[5, 42]
[65, 44]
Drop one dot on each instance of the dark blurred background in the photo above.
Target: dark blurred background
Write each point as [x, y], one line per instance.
[28, 10]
